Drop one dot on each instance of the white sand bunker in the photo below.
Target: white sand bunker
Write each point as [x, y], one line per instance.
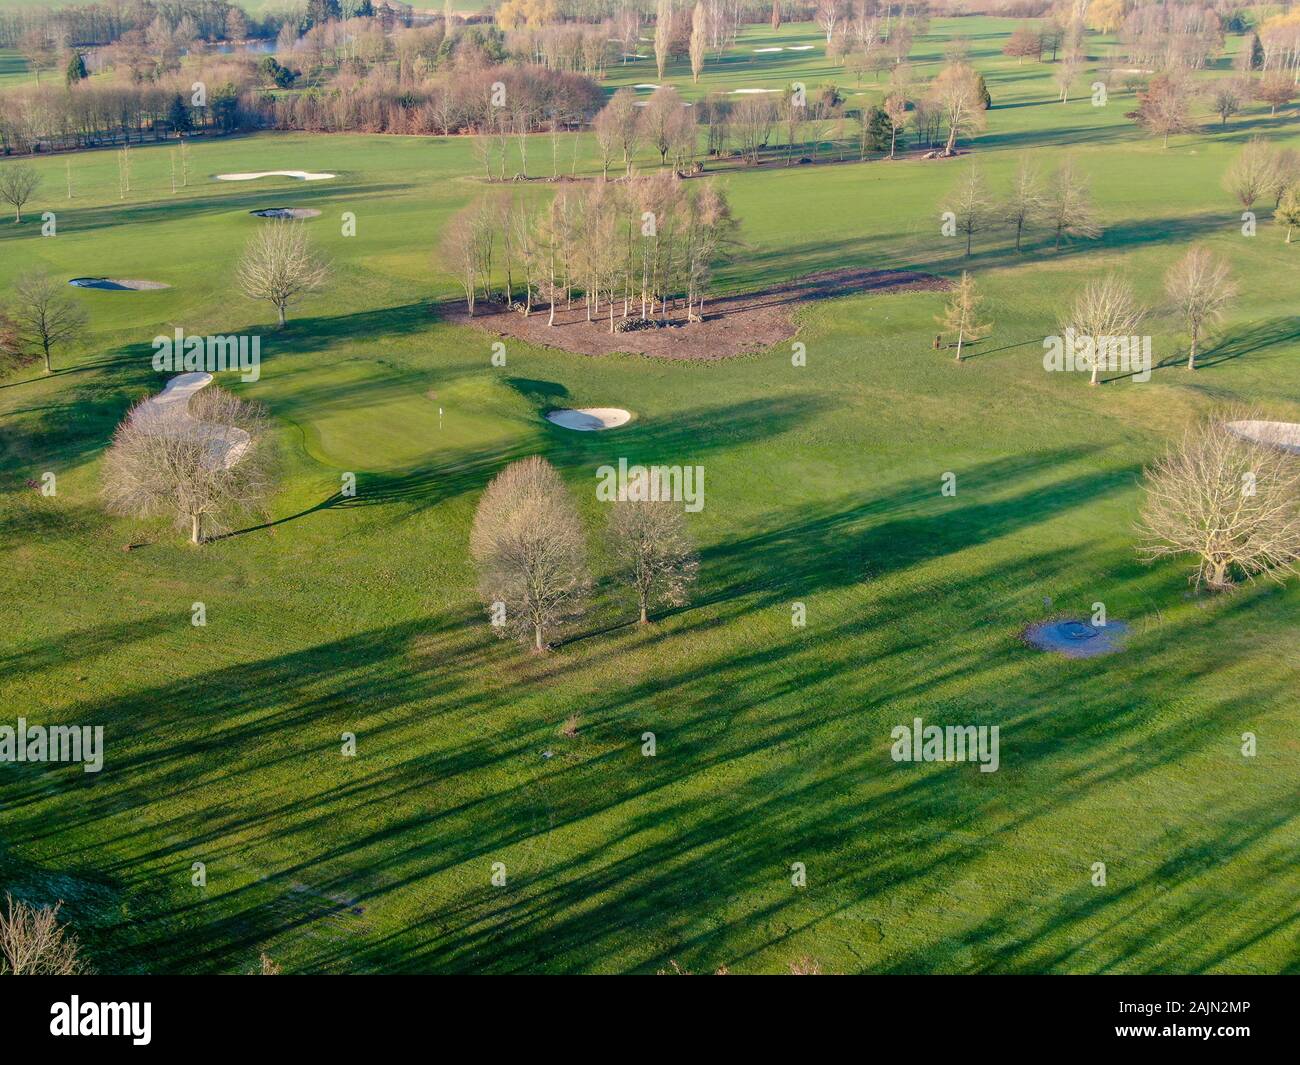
[777, 49]
[802, 47]
[286, 212]
[116, 284]
[301, 175]
[590, 419]
[1076, 639]
[168, 412]
[1282, 435]
[750, 92]
[645, 85]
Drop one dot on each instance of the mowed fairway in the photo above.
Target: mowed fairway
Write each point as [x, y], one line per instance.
[359, 615]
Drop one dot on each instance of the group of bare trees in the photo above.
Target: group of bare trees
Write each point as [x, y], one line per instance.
[665, 124]
[1165, 37]
[1198, 290]
[1261, 171]
[1060, 204]
[632, 249]
[530, 550]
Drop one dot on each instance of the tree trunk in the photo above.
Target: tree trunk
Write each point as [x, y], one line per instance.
[961, 335]
[280, 308]
[1191, 355]
[644, 618]
[196, 532]
[537, 638]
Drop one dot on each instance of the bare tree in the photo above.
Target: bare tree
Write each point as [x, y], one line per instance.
[1229, 95]
[458, 255]
[624, 118]
[44, 317]
[1288, 210]
[281, 266]
[605, 128]
[655, 555]
[972, 205]
[1199, 286]
[37, 48]
[1230, 503]
[699, 40]
[17, 183]
[829, 14]
[528, 545]
[1103, 312]
[1250, 175]
[34, 943]
[1069, 205]
[957, 91]
[896, 112]
[1065, 75]
[663, 34]
[1165, 107]
[1027, 203]
[1276, 89]
[206, 465]
[962, 313]
[752, 119]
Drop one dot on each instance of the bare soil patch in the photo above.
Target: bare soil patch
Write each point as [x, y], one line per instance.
[732, 325]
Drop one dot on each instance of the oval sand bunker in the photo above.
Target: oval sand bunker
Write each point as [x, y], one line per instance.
[115, 284]
[1076, 639]
[1282, 435]
[286, 212]
[301, 175]
[590, 419]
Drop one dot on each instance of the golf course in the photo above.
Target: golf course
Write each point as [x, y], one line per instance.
[317, 750]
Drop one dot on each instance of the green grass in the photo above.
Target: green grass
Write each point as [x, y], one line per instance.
[823, 487]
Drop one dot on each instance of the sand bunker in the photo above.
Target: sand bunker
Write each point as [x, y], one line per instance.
[1076, 639]
[116, 284]
[751, 92]
[301, 175]
[590, 419]
[802, 47]
[168, 412]
[286, 212]
[1282, 435]
[777, 49]
[645, 85]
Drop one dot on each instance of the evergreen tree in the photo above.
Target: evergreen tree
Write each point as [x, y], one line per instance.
[178, 116]
[880, 131]
[77, 69]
